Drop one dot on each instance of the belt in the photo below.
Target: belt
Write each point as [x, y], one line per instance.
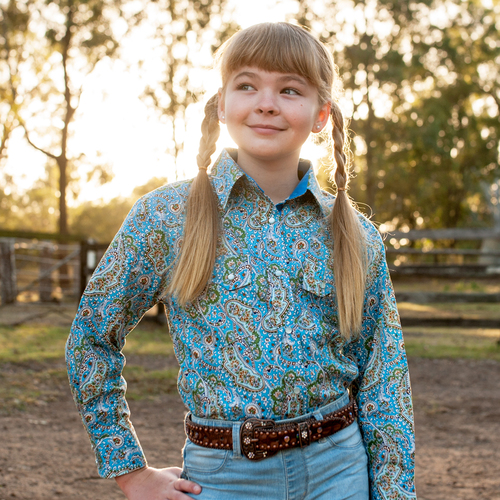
[261, 439]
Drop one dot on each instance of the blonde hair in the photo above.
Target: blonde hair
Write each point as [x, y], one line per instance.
[284, 48]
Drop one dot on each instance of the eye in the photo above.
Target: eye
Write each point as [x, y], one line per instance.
[290, 91]
[244, 86]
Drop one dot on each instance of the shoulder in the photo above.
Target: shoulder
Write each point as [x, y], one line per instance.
[164, 203]
[372, 234]
[176, 192]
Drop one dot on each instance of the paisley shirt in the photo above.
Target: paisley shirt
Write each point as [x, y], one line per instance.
[262, 338]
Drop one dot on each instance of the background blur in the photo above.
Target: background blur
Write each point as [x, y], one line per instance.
[101, 101]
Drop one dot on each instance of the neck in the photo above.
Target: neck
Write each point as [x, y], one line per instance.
[277, 178]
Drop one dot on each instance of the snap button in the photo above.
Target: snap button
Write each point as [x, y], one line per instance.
[230, 276]
[297, 390]
[288, 330]
[322, 284]
[272, 220]
[278, 272]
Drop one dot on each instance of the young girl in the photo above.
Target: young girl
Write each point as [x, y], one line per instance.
[280, 306]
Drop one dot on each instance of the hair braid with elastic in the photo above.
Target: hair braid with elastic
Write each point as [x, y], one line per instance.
[349, 252]
[197, 256]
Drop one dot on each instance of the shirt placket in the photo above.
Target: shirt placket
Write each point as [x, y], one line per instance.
[288, 334]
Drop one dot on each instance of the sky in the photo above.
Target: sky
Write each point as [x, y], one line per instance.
[115, 127]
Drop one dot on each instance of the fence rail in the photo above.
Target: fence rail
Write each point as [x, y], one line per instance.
[33, 270]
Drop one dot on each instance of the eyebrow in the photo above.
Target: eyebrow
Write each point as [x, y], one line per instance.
[284, 78]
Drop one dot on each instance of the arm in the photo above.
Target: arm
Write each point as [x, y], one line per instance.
[383, 390]
[128, 281]
[125, 285]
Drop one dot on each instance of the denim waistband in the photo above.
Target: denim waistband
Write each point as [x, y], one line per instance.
[318, 414]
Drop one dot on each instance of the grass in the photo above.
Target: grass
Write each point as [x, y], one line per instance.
[465, 343]
[44, 343]
[33, 370]
[148, 384]
[32, 343]
[22, 386]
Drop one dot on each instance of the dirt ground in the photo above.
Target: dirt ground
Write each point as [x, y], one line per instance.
[45, 453]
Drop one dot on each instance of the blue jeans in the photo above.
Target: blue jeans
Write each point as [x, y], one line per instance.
[333, 468]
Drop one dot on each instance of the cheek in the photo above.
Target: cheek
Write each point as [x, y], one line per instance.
[236, 109]
[303, 122]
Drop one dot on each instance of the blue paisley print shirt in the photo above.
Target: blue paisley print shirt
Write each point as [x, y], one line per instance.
[261, 340]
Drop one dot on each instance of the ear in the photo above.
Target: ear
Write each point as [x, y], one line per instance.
[322, 117]
[221, 106]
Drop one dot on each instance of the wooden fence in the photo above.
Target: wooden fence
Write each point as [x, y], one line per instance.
[48, 267]
[408, 262]
[34, 270]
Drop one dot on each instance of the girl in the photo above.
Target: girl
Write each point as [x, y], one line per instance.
[279, 301]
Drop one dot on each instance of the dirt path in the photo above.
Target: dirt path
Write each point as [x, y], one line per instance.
[45, 454]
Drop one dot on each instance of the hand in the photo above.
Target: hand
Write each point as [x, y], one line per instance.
[157, 484]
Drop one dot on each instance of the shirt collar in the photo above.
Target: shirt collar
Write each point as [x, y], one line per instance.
[225, 173]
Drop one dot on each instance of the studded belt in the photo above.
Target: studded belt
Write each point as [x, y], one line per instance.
[264, 438]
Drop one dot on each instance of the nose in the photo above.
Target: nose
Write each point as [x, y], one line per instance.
[267, 104]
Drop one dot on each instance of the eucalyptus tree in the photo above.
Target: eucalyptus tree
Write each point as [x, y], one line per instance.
[62, 43]
[422, 77]
[448, 144]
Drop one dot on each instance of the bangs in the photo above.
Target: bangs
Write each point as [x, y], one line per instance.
[280, 47]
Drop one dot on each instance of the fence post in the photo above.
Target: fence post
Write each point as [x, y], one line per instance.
[8, 287]
[84, 247]
[46, 279]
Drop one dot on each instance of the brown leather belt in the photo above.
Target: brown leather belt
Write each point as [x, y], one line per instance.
[264, 438]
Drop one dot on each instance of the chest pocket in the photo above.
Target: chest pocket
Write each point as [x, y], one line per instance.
[233, 273]
[317, 278]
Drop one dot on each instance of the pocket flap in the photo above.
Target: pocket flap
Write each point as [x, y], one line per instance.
[317, 278]
[233, 272]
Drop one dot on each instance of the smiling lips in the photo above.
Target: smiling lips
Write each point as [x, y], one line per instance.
[265, 129]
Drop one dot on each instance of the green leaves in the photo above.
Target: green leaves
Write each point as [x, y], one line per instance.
[424, 81]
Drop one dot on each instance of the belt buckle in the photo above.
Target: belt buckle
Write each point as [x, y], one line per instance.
[249, 442]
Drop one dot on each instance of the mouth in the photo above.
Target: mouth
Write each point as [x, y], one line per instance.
[265, 128]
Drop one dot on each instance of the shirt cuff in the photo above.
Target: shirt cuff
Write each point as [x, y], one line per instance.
[119, 454]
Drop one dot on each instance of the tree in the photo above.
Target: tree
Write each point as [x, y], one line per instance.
[453, 126]
[101, 221]
[423, 81]
[32, 210]
[78, 35]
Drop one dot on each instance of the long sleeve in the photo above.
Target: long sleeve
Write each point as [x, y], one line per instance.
[383, 389]
[125, 285]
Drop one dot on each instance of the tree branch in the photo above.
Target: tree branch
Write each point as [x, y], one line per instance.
[50, 155]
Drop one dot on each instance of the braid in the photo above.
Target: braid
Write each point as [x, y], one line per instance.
[338, 135]
[197, 256]
[210, 131]
[349, 260]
